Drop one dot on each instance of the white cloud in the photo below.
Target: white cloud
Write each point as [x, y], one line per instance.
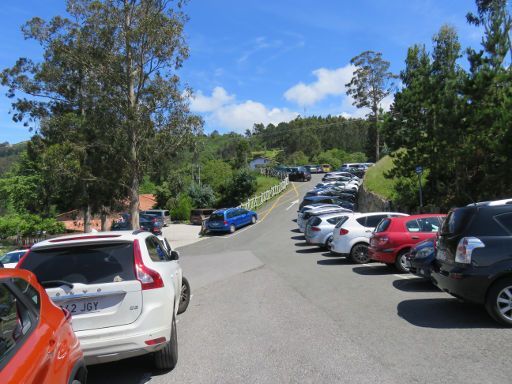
[202, 103]
[329, 82]
[221, 110]
[242, 116]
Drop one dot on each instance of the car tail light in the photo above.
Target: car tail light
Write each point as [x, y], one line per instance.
[343, 231]
[18, 266]
[225, 222]
[465, 249]
[149, 278]
[315, 229]
[159, 340]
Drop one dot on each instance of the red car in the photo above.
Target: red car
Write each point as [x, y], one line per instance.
[37, 343]
[394, 237]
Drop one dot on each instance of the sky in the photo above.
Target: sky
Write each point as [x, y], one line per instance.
[267, 61]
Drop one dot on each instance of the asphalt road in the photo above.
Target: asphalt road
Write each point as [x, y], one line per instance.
[267, 308]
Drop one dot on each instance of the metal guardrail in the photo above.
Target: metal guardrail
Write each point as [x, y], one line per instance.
[257, 201]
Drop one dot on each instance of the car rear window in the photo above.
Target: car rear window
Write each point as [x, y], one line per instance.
[383, 225]
[457, 221]
[336, 220]
[86, 264]
[217, 216]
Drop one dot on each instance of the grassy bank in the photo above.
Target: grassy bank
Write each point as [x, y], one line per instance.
[265, 183]
[375, 181]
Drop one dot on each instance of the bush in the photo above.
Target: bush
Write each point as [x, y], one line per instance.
[202, 195]
[240, 188]
[27, 225]
[181, 207]
[297, 158]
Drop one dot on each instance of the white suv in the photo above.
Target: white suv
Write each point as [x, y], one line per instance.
[122, 289]
[351, 237]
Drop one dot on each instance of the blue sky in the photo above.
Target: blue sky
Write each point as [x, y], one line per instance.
[268, 61]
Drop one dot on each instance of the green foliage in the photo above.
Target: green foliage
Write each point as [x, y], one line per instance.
[240, 188]
[25, 225]
[264, 183]
[147, 186]
[9, 154]
[202, 195]
[296, 158]
[336, 157]
[216, 173]
[180, 209]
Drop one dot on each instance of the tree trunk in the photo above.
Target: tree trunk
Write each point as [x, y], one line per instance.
[377, 134]
[134, 202]
[87, 218]
[103, 219]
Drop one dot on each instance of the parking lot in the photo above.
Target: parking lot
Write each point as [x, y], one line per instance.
[269, 308]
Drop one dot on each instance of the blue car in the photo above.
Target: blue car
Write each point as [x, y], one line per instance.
[421, 257]
[229, 219]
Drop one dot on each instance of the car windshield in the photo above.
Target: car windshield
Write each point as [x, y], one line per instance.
[11, 257]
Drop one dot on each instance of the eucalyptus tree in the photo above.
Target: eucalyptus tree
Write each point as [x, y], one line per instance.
[371, 83]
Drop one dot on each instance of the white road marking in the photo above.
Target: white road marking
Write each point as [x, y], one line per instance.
[292, 204]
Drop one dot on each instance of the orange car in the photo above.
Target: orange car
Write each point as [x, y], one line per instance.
[37, 343]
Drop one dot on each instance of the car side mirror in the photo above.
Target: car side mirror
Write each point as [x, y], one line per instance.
[175, 255]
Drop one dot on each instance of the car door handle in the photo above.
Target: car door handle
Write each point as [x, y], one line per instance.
[415, 238]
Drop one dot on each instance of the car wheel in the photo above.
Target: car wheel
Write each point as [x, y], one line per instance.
[184, 296]
[328, 243]
[253, 220]
[401, 262]
[167, 357]
[232, 228]
[359, 254]
[499, 301]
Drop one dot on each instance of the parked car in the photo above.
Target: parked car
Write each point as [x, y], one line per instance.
[327, 200]
[197, 216]
[307, 208]
[146, 222]
[394, 237]
[332, 192]
[474, 257]
[122, 289]
[185, 292]
[421, 257]
[351, 237]
[312, 168]
[355, 171]
[162, 214]
[298, 174]
[326, 168]
[230, 219]
[327, 208]
[10, 259]
[37, 343]
[319, 228]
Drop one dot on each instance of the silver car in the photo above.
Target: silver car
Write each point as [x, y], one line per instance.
[301, 222]
[319, 229]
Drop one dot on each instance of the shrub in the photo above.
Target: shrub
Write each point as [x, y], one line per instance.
[240, 188]
[181, 207]
[26, 225]
[202, 195]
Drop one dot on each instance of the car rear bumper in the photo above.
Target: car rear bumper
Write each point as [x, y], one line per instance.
[463, 283]
[339, 248]
[387, 256]
[103, 345]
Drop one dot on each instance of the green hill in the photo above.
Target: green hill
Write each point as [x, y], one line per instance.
[375, 181]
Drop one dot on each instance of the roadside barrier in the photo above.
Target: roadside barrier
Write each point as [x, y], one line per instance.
[257, 201]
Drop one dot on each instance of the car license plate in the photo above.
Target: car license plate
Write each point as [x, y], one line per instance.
[82, 306]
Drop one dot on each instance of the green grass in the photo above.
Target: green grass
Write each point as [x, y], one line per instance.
[265, 183]
[375, 181]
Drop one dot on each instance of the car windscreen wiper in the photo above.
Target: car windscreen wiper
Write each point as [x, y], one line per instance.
[55, 283]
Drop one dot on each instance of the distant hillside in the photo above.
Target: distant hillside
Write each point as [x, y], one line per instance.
[9, 153]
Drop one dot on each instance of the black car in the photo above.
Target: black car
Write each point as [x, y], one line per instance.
[474, 257]
[329, 192]
[308, 200]
[298, 174]
[146, 223]
[355, 171]
[421, 257]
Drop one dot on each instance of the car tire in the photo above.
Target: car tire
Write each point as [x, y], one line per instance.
[502, 289]
[232, 228]
[359, 253]
[328, 243]
[401, 258]
[167, 357]
[184, 296]
[253, 220]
